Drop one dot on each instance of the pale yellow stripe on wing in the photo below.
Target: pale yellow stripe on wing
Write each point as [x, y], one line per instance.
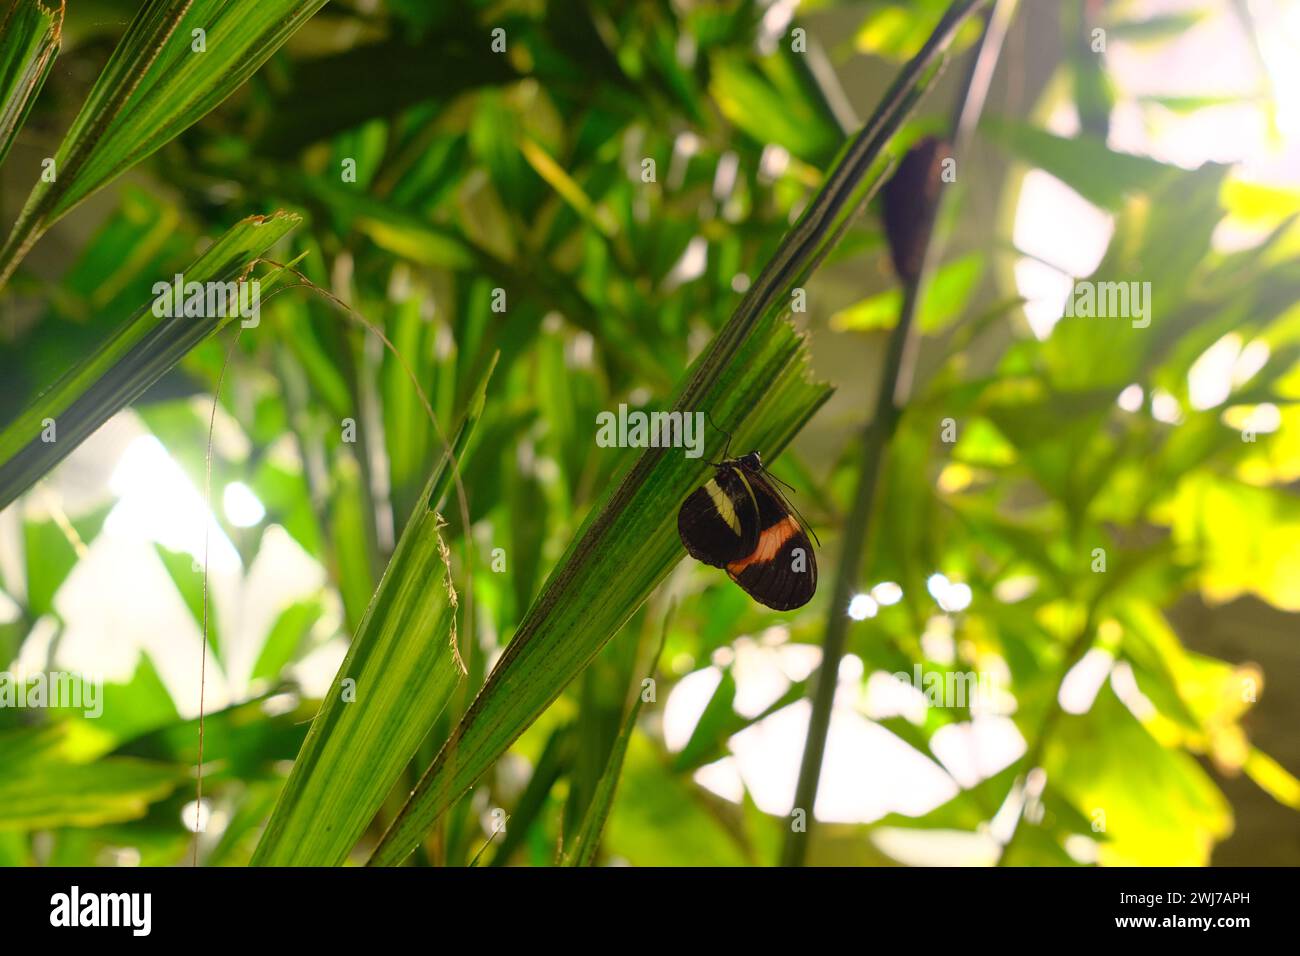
[722, 501]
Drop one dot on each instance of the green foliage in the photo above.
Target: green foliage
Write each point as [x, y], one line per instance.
[625, 549]
[139, 351]
[402, 667]
[620, 208]
[161, 79]
[29, 41]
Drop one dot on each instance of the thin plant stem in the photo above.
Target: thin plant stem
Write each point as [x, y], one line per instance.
[891, 397]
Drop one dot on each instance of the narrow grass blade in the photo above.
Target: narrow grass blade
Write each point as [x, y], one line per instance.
[720, 722]
[909, 234]
[177, 61]
[135, 357]
[580, 849]
[565, 186]
[550, 767]
[29, 40]
[586, 841]
[628, 545]
[400, 671]
[752, 380]
[624, 551]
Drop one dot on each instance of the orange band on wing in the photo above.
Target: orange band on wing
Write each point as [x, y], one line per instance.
[769, 545]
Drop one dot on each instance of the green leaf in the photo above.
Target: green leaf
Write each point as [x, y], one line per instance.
[287, 635]
[187, 575]
[1191, 104]
[897, 31]
[1273, 778]
[569, 189]
[582, 850]
[752, 379]
[1085, 163]
[400, 672]
[29, 41]
[1113, 771]
[83, 795]
[945, 299]
[238, 839]
[409, 441]
[1155, 29]
[156, 84]
[50, 557]
[717, 723]
[351, 533]
[720, 722]
[41, 788]
[548, 769]
[613, 691]
[139, 706]
[242, 742]
[775, 103]
[1243, 537]
[136, 356]
[52, 549]
[660, 819]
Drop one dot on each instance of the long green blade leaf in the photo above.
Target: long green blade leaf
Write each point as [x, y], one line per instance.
[29, 41]
[581, 848]
[399, 673]
[752, 380]
[582, 851]
[135, 357]
[43, 787]
[178, 60]
[625, 550]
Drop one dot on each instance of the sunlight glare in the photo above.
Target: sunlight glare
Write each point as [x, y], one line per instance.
[1209, 380]
[159, 503]
[862, 607]
[1055, 256]
[1080, 686]
[242, 506]
[1131, 398]
[887, 593]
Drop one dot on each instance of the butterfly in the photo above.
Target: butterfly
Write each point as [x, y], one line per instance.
[739, 521]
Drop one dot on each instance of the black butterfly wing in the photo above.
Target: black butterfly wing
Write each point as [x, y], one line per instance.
[718, 522]
[781, 569]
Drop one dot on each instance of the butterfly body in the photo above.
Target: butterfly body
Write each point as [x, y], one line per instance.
[739, 521]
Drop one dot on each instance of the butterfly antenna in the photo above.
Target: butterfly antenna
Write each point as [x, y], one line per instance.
[726, 451]
[785, 484]
[803, 522]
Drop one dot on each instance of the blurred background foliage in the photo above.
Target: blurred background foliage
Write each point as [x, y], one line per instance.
[1111, 538]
